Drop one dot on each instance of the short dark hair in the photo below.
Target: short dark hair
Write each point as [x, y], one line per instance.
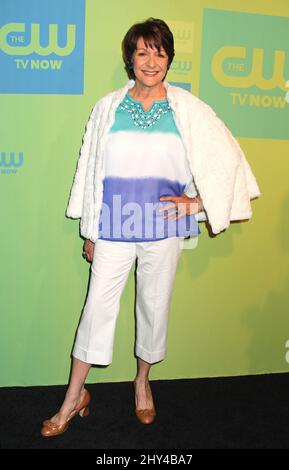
[155, 33]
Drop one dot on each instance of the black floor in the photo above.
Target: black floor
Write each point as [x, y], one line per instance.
[223, 413]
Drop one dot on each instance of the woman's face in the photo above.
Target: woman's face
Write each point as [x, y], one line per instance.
[149, 65]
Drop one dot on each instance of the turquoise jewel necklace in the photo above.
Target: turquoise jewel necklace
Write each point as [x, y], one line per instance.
[143, 118]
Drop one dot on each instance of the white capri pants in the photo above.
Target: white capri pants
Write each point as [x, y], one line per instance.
[112, 260]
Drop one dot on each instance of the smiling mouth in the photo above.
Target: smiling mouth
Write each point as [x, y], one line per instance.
[146, 72]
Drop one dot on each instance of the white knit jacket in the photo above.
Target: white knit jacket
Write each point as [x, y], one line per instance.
[222, 175]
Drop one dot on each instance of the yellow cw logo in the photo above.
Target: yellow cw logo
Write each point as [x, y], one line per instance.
[12, 39]
[183, 33]
[255, 77]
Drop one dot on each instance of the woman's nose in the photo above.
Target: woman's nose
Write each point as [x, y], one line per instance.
[151, 60]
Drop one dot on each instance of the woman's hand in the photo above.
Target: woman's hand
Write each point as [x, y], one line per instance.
[88, 250]
[183, 206]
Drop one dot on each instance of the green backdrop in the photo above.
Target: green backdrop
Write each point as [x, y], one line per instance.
[229, 312]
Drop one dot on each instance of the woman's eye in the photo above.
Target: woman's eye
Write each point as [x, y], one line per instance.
[159, 55]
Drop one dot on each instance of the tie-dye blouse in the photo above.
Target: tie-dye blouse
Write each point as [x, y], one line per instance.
[144, 159]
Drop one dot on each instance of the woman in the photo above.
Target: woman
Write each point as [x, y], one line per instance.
[147, 172]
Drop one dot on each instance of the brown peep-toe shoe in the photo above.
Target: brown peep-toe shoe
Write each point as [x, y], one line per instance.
[50, 429]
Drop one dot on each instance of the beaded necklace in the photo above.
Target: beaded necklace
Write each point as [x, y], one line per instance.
[143, 118]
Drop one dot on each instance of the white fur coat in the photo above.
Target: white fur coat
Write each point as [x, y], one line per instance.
[221, 173]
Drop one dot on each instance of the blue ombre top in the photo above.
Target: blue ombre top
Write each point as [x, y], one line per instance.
[144, 159]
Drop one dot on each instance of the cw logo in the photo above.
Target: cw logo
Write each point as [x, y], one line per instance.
[183, 33]
[8, 160]
[255, 77]
[181, 66]
[13, 33]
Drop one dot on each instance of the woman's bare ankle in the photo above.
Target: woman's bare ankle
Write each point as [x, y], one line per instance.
[72, 398]
[74, 394]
